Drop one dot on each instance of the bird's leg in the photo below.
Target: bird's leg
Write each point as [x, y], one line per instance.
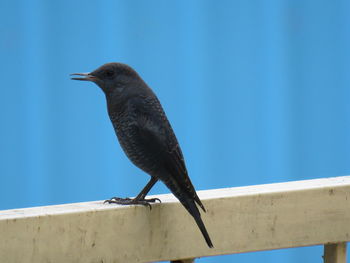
[139, 199]
[141, 196]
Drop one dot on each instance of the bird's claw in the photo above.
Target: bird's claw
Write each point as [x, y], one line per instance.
[116, 200]
[129, 201]
[153, 200]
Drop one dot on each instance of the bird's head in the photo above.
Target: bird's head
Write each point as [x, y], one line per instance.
[111, 77]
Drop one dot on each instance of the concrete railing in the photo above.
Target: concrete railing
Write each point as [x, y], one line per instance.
[242, 219]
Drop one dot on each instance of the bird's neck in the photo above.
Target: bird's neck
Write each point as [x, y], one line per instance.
[115, 104]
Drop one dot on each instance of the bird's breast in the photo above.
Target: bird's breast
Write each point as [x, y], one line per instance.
[126, 129]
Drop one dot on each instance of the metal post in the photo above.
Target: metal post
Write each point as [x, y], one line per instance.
[335, 253]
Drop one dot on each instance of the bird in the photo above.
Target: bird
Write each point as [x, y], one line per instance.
[146, 136]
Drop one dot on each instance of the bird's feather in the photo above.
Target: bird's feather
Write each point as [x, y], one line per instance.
[155, 135]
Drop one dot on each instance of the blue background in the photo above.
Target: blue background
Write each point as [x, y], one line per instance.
[256, 91]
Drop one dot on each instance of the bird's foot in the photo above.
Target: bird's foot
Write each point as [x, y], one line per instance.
[129, 201]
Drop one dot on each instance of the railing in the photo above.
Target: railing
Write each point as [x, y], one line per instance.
[242, 219]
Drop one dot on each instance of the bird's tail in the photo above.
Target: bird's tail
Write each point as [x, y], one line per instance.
[187, 196]
[190, 205]
[193, 210]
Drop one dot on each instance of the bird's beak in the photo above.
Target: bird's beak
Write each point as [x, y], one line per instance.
[87, 76]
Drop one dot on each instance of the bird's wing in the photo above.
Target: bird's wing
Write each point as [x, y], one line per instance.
[157, 136]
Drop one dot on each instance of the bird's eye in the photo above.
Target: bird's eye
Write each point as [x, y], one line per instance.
[109, 73]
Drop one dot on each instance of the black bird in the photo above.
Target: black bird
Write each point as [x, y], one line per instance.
[146, 136]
